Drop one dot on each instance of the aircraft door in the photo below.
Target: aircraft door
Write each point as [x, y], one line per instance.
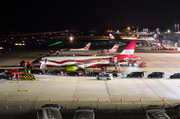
[115, 59]
[110, 60]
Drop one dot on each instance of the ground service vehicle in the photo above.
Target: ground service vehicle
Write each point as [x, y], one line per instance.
[49, 111]
[36, 71]
[84, 112]
[135, 74]
[156, 75]
[55, 72]
[73, 74]
[27, 76]
[105, 76]
[4, 77]
[94, 73]
[2, 71]
[116, 74]
[175, 75]
[155, 112]
[17, 71]
[23, 63]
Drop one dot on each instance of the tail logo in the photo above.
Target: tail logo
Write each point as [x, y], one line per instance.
[86, 48]
[111, 36]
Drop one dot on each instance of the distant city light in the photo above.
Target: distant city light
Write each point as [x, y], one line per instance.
[19, 44]
[71, 38]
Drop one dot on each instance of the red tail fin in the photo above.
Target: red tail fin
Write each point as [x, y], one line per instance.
[129, 50]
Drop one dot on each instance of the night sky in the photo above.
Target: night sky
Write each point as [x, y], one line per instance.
[61, 15]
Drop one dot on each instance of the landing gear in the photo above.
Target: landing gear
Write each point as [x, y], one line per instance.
[117, 67]
[57, 54]
[103, 68]
[132, 63]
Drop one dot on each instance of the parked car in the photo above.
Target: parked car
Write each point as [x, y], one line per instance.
[105, 76]
[4, 76]
[50, 111]
[55, 72]
[84, 112]
[94, 74]
[156, 75]
[135, 74]
[73, 73]
[175, 75]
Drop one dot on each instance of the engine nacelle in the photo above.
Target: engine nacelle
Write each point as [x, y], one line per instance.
[70, 67]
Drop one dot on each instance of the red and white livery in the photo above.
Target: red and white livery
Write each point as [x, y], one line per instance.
[86, 48]
[82, 62]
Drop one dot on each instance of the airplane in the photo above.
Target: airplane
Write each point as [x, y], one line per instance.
[84, 62]
[86, 48]
[114, 40]
[86, 52]
[110, 51]
[139, 38]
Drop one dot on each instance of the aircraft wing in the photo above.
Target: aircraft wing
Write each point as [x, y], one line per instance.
[131, 59]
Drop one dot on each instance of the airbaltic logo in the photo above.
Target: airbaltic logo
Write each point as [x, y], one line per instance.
[127, 52]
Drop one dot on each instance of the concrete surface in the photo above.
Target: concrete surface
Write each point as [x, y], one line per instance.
[66, 90]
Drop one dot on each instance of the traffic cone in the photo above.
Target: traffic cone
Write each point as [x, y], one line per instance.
[163, 99]
[121, 99]
[97, 107]
[65, 106]
[6, 107]
[28, 99]
[78, 99]
[98, 100]
[49, 99]
[141, 106]
[140, 99]
[19, 106]
[116, 107]
[7, 99]
[34, 106]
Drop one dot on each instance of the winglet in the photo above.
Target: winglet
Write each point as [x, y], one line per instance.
[100, 60]
[94, 55]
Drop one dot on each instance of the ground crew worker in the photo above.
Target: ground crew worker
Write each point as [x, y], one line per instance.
[17, 76]
[11, 76]
[29, 71]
